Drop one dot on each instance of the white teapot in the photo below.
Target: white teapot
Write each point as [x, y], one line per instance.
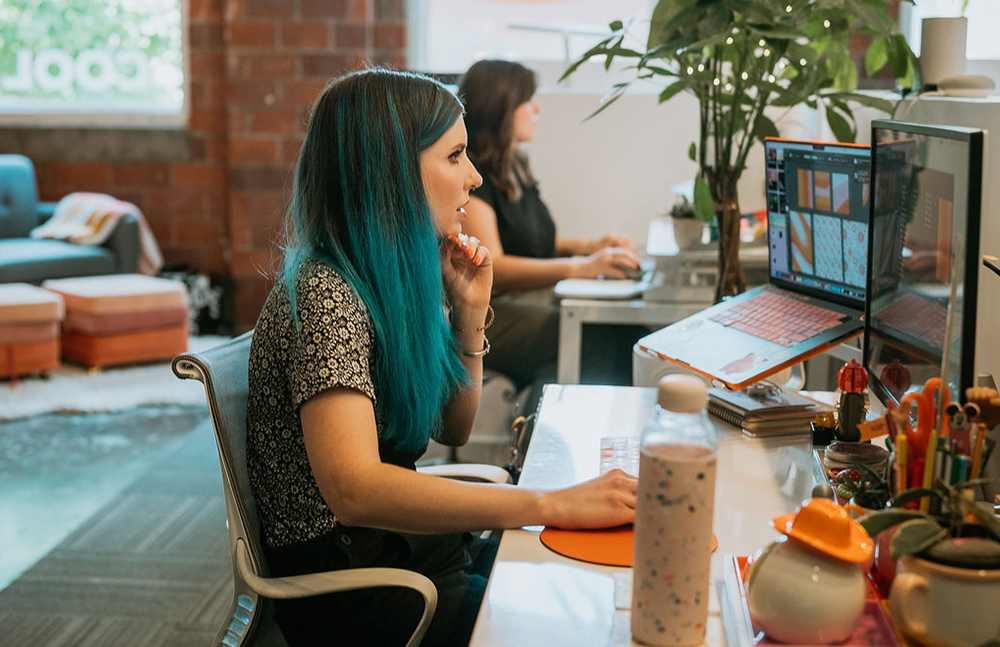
[808, 586]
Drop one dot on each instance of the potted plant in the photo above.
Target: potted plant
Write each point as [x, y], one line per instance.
[688, 228]
[928, 535]
[945, 588]
[738, 57]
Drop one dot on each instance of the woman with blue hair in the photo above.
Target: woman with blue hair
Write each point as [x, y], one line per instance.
[370, 344]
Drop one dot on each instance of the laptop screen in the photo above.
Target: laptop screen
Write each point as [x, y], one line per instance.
[817, 218]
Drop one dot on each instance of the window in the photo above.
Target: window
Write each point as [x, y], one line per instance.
[449, 35]
[91, 61]
[983, 15]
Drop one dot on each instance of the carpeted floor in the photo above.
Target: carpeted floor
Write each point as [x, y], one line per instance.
[150, 567]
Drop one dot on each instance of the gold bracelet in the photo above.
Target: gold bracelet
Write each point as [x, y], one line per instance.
[490, 316]
[478, 353]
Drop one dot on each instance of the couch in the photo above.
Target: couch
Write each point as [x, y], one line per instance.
[30, 260]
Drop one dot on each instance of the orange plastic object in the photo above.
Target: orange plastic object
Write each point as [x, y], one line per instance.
[852, 378]
[610, 546]
[825, 526]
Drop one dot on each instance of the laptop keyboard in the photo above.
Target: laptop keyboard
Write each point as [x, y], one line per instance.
[780, 319]
[918, 317]
[621, 452]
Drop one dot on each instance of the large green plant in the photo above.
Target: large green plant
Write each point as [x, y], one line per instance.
[738, 57]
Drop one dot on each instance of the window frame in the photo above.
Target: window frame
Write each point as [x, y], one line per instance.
[30, 117]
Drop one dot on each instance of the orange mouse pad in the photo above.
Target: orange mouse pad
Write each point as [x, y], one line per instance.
[610, 546]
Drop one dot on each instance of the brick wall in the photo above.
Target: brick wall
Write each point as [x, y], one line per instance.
[256, 66]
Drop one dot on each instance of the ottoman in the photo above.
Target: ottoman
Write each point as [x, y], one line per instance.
[29, 330]
[122, 319]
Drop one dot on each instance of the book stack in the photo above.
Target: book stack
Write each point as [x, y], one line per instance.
[765, 409]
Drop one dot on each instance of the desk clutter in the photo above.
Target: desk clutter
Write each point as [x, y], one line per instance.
[95, 321]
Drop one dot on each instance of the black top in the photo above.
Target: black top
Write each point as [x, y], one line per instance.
[526, 227]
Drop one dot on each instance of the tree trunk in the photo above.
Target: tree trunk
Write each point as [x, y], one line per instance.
[732, 280]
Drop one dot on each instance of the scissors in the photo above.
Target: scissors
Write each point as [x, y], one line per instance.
[918, 438]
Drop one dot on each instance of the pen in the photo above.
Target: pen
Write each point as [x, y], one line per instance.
[960, 471]
[902, 469]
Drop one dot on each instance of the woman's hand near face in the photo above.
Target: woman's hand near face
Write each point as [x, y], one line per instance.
[603, 502]
[467, 269]
[610, 262]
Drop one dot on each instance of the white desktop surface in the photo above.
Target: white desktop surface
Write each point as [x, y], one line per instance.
[537, 597]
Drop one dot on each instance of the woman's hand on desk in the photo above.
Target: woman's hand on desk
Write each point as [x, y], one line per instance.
[613, 239]
[603, 502]
[610, 262]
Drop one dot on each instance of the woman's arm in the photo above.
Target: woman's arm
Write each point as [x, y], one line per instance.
[341, 441]
[519, 273]
[582, 247]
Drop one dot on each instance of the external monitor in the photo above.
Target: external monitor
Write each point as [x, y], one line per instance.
[923, 255]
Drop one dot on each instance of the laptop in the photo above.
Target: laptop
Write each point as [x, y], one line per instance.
[817, 216]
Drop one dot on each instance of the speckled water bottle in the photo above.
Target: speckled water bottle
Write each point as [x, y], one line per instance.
[673, 517]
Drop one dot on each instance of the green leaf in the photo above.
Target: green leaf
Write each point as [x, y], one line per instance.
[914, 494]
[915, 536]
[879, 520]
[693, 152]
[984, 515]
[704, 206]
[671, 90]
[841, 128]
[877, 56]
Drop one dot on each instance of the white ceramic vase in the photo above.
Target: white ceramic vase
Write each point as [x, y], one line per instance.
[687, 232]
[942, 48]
[799, 595]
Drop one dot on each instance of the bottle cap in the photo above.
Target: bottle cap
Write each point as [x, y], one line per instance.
[682, 393]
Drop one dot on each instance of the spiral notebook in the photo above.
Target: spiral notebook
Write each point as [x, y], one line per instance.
[765, 409]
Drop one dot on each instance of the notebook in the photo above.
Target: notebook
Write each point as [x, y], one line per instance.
[817, 219]
[764, 409]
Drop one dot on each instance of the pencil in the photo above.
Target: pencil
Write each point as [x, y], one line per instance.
[902, 469]
[929, 467]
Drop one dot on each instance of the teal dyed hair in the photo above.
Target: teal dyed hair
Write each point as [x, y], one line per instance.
[359, 206]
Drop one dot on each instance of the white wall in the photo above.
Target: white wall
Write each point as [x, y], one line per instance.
[615, 171]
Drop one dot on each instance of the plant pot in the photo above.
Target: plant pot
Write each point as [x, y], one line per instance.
[687, 232]
[942, 49]
[945, 606]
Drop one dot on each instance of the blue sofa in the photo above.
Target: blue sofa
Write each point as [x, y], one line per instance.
[31, 260]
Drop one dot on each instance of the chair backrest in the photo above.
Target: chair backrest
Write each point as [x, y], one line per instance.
[223, 370]
[18, 196]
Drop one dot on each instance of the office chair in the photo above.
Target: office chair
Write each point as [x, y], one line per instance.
[223, 371]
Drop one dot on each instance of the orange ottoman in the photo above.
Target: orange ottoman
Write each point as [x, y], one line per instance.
[122, 318]
[29, 329]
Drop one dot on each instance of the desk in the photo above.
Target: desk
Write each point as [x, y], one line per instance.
[536, 597]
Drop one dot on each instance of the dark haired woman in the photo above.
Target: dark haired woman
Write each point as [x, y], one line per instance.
[355, 366]
[529, 257]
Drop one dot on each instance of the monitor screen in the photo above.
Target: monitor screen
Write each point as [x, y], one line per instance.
[924, 253]
[817, 217]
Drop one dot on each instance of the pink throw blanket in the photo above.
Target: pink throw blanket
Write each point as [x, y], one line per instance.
[89, 218]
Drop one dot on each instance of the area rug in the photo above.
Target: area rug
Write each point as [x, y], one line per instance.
[74, 389]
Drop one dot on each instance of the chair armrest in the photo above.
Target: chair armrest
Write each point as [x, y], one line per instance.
[124, 242]
[468, 471]
[352, 579]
